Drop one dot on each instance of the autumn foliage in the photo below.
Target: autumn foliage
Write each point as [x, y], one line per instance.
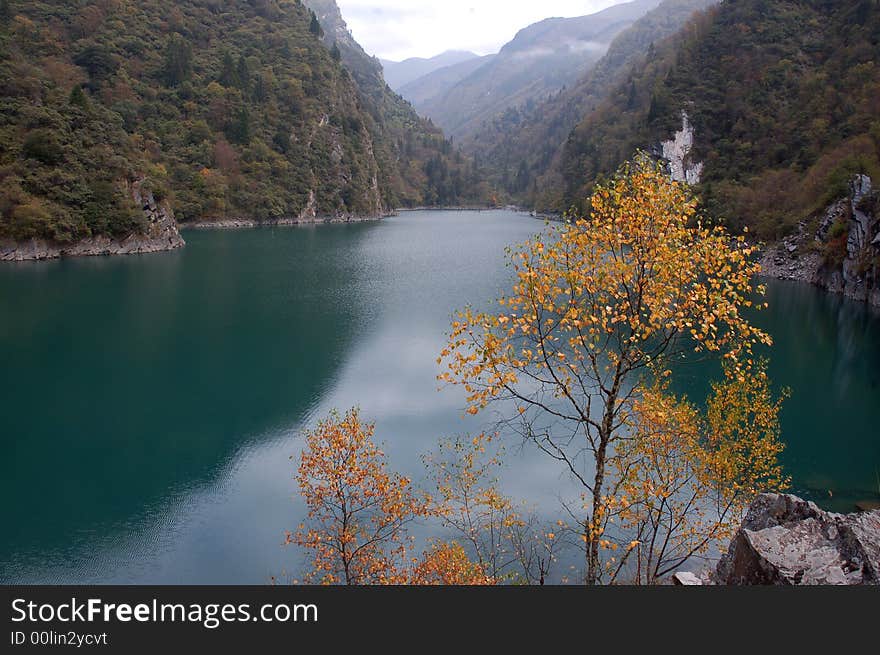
[604, 311]
[358, 511]
[581, 361]
[359, 514]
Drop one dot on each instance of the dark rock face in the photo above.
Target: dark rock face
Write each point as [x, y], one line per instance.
[785, 540]
[855, 274]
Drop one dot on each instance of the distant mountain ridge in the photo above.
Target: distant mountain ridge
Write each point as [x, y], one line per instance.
[400, 73]
[521, 148]
[540, 60]
[439, 82]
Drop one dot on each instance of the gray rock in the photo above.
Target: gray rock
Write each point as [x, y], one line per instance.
[785, 540]
[686, 579]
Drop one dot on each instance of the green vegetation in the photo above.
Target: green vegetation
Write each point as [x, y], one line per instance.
[521, 147]
[227, 108]
[426, 170]
[783, 96]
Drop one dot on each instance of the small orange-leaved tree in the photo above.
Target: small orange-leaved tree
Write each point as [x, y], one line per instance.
[359, 514]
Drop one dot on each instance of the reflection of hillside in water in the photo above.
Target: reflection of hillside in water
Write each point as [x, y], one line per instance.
[139, 378]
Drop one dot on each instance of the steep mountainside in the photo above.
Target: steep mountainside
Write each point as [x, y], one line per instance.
[541, 59]
[426, 170]
[400, 73]
[522, 146]
[220, 109]
[436, 84]
[115, 112]
[781, 98]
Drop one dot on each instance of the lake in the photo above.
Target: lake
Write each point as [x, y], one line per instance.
[151, 404]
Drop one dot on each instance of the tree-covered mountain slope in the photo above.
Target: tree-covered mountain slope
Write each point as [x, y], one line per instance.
[539, 61]
[519, 147]
[219, 109]
[784, 101]
[425, 169]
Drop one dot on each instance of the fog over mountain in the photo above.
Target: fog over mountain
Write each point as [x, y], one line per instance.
[540, 60]
[400, 73]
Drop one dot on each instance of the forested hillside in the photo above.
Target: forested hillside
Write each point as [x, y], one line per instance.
[520, 149]
[224, 108]
[427, 170]
[784, 98]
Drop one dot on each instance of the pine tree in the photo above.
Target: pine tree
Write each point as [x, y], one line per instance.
[243, 74]
[178, 61]
[240, 130]
[315, 26]
[5, 10]
[78, 98]
[228, 72]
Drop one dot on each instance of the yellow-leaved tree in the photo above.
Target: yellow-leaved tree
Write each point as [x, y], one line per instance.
[578, 358]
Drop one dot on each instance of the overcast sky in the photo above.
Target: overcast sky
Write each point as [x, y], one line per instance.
[399, 29]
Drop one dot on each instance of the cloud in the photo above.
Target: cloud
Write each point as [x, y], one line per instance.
[399, 29]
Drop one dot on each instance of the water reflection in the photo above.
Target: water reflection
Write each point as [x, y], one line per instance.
[156, 401]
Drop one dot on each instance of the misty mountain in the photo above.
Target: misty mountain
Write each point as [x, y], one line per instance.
[542, 59]
[400, 73]
[522, 146]
[424, 89]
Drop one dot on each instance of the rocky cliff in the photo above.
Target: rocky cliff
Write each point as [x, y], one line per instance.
[159, 233]
[838, 250]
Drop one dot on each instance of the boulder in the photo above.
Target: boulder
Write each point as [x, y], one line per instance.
[686, 579]
[785, 540]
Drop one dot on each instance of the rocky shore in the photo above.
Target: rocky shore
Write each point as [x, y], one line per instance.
[839, 253]
[785, 540]
[244, 223]
[160, 234]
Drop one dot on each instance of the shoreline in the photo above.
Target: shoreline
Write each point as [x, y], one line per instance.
[247, 223]
[779, 262]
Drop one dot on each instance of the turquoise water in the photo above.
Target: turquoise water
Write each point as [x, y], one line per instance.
[150, 405]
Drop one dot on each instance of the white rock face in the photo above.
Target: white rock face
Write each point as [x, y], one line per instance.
[677, 153]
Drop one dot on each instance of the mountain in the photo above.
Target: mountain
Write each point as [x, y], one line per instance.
[436, 84]
[521, 148]
[115, 113]
[542, 59]
[781, 99]
[424, 168]
[400, 73]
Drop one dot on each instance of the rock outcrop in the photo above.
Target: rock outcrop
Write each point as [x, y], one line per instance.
[160, 233]
[677, 152]
[841, 254]
[785, 540]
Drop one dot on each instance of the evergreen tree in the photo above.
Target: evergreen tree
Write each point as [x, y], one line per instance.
[5, 10]
[335, 53]
[315, 26]
[228, 71]
[78, 98]
[178, 61]
[243, 74]
[240, 130]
